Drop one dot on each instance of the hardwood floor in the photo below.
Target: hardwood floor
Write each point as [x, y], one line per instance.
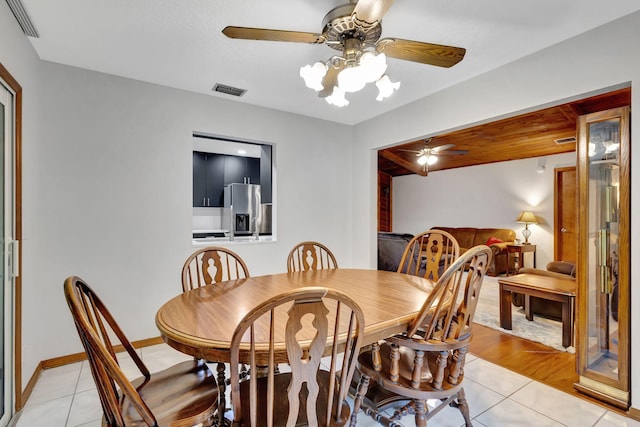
[554, 368]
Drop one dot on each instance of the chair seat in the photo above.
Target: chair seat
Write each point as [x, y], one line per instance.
[403, 386]
[181, 395]
[282, 402]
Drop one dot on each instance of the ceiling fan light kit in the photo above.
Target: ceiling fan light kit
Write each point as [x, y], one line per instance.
[427, 159]
[428, 155]
[366, 67]
[355, 30]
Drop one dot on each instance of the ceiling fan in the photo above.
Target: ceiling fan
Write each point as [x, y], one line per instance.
[428, 155]
[355, 30]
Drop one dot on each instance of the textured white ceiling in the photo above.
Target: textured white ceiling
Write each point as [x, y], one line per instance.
[180, 44]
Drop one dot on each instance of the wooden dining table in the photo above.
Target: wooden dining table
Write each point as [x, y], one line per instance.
[201, 322]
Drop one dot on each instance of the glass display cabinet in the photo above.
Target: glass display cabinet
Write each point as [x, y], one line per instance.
[603, 256]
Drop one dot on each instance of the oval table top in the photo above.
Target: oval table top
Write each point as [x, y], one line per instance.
[201, 322]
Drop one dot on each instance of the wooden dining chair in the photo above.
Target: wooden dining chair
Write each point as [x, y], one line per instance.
[310, 256]
[208, 266]
[428, 254]
[297, 327]
[184, 394]
[427, 361]
[211, 265]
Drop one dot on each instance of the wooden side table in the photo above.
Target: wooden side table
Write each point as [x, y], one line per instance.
[520, 250]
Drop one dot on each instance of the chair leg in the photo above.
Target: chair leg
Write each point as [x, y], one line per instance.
[363, 386]
[464, 407]
[408, 409]
[221, 392]
[421, 413]
[379, 417]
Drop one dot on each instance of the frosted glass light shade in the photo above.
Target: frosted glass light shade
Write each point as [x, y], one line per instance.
[385, 87]
[429, 159]
[372, 66]
[337, 98]
[369, 69]
[313, 75]
[351, 79]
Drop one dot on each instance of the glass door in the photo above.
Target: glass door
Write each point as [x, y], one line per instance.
[603, 273]
[6, 275]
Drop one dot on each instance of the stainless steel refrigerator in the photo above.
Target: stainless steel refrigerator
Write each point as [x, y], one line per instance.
[241, 213]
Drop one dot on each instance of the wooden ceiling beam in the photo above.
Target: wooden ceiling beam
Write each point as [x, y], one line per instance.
[412, 166]
[571, 112]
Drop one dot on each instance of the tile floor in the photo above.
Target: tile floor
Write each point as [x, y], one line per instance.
[66, 397]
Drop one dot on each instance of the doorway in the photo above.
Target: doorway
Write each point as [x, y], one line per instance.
[11, 226]
[526, 135]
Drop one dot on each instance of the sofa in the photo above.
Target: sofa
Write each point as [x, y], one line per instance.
[541, 307]
[496, 238]
[390, 249]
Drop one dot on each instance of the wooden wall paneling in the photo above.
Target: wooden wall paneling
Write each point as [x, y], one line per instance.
[384, 201]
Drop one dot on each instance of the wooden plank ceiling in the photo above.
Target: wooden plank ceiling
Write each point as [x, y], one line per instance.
[528, 135]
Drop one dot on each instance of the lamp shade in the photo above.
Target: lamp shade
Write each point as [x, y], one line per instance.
[527, 217]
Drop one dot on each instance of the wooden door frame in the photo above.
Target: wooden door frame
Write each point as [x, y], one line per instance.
[17, 300]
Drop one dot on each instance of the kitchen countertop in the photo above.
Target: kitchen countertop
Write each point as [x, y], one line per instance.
[206, 241]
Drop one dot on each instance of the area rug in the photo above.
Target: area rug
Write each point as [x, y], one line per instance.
[542, 330]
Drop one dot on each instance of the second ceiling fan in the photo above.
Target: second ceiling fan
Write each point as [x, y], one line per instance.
[355, 30]
[428, 155]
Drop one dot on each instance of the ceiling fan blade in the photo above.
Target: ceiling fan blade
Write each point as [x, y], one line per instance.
[425, 53]
[329, 81]
[410, 151]
[441, 148]
[371, 11]
[453, 152]
[272, 35]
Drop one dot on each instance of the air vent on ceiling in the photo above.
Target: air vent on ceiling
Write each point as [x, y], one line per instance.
[569, 140]
[229, 90]
[22, 17]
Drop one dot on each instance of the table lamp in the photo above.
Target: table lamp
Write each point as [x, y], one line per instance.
[527, 217]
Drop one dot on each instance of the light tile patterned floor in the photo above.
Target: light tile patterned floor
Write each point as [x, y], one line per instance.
[66, 397]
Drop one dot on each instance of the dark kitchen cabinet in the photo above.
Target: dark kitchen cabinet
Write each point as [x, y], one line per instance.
[212, 171]
[241, 169]
[253, 170]
[208, 178]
